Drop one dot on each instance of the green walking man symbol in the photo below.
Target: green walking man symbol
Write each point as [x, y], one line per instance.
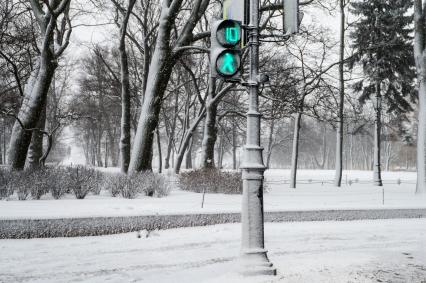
[228, 66]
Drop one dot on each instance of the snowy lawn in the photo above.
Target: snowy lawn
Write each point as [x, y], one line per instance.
[358, 251]
[307, 196]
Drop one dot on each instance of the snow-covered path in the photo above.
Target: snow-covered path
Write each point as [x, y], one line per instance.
[358, 251]
[307, 196]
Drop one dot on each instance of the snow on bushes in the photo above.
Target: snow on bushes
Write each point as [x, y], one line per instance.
[211, 181]
[130, 186]
[79, 181]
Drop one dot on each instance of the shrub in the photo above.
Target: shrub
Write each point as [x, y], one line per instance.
[211, 181]
[81, 181]
[58, 182]
[21, 182]
[97, 182]
[114, 183]
[34, 182]
[5, 179]
[41, 181]
[130, 186]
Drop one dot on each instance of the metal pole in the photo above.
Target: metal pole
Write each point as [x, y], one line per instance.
[254, 257]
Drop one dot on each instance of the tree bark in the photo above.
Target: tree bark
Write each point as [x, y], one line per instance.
[160, 156]
[172, 132]
[295, 151]
[188, 155]
[377, 179]
[163, 60]
[2, 143]
[186, 140]
[234, 146]
[220, 152]
[30, 111]
[339, 132]
[210, 129]
[35, 151]
[125, 94]
[36, 92]
[270, 144]
[420, 57]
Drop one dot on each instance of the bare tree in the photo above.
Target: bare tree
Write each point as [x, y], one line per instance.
[54, 39]
[163, 59]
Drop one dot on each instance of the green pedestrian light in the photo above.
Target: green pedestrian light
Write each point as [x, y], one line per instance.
[228, 63]
[226, 50]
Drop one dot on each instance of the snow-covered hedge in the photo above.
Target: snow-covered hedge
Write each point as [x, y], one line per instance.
[130, 186]
[50, 228]
[79, 181]
[211, 181]
[74, 227]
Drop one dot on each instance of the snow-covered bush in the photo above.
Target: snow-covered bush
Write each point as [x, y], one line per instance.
[211, 181]
[41, 182]
[34, 182]
[130, 186]
[21, 182]
[5, 179]
[58, 185]
[114, 183]
[81, 181]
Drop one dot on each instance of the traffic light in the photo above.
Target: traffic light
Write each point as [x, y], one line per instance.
[292, 17]
[225, 52]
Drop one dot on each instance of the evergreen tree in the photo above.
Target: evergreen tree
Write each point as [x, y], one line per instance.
[382, 39]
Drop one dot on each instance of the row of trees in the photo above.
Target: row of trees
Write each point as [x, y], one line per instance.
[145, 96]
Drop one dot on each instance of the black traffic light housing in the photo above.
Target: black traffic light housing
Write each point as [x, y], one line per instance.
[225, 52]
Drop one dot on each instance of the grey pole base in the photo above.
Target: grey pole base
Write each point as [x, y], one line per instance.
[256, 263]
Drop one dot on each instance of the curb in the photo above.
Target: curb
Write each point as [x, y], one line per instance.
[78, 227]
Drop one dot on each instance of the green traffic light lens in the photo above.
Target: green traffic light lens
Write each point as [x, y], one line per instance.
[228, 63]
[232, 35]
[228, 33]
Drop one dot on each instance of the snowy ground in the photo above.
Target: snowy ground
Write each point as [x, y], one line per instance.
[314, 193]
[358, 251]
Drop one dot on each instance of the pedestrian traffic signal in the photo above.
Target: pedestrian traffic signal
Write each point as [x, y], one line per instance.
[225, 52]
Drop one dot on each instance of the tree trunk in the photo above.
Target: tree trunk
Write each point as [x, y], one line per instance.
[159, 73]
[160, 156]
[220, 152]
[31, 109]
[388, 155]
[234, 147]
[377, 138]
[106, 152]
[35, 151]
[163, 60]
[270, 144]
[210, 129]
[188, 156]
[125, 94]
[351, 145]
[2, 143]
[295, 151]
[420, 56]
[421, 139]
[172, 132]
[339, 132]
[186, 140]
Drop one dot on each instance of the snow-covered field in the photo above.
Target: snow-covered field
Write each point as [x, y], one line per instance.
[358, 251]
[312, 194]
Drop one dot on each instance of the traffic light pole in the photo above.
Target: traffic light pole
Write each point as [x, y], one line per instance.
[254, 257]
